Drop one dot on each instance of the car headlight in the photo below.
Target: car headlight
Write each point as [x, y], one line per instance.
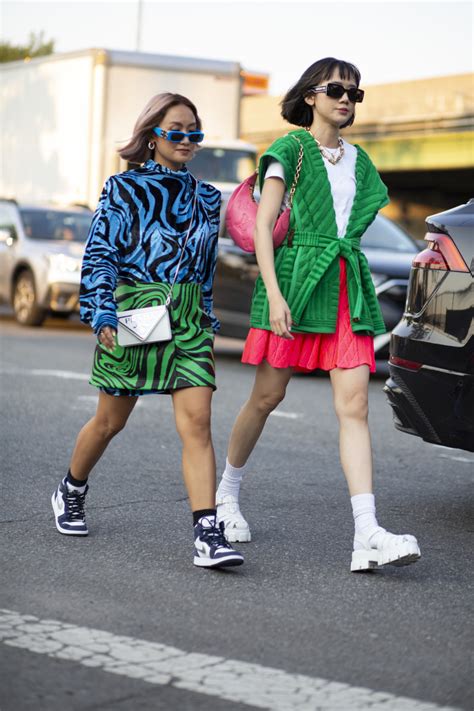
[64, 263]
[378, 278]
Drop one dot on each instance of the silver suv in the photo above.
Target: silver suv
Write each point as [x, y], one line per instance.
[41, 250]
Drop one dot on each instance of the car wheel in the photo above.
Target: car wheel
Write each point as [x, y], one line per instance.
[25, 306]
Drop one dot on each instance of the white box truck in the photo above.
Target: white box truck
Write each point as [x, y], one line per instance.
[64, 116]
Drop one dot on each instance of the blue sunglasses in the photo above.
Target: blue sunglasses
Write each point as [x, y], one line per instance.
[178, 136]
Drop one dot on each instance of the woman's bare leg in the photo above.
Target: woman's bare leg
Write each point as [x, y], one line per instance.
[350, 392]
[268, 391]
[373, 545]
[111, 417]
[69, 498]
[192, 411]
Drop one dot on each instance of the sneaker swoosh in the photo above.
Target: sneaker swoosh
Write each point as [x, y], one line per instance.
[201, 547]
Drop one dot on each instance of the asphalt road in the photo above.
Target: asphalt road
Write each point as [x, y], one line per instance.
[292, 628]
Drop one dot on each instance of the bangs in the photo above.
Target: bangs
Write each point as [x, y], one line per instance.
[347, 71]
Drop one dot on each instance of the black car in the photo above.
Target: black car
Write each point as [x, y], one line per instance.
[431, 384]
[389, 251]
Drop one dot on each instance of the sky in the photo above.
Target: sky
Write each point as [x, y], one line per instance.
[388, 41]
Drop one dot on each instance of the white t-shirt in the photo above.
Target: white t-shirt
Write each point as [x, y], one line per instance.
[341, 179]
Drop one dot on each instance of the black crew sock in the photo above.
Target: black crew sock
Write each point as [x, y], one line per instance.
[202, 512]
[74, 482]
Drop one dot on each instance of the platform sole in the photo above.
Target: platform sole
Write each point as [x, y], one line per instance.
[373, 559]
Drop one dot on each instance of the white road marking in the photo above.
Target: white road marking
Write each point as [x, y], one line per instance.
[66, 374]
[289, 415]
[230, 679]
[457, 459]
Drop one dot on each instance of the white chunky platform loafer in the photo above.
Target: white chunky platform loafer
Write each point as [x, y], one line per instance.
[391, 549]
[236, 528]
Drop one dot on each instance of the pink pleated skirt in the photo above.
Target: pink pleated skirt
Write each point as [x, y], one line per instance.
[309, 351]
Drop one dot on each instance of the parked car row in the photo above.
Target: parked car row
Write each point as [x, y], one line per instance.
[430, 339]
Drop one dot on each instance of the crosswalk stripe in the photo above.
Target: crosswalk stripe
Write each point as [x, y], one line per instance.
[289, 415]
[44, 372]
[228, 679]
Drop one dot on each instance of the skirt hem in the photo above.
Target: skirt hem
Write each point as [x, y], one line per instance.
[303, 369]
[116, 392]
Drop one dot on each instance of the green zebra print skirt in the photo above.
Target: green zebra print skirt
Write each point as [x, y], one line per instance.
[185, 361]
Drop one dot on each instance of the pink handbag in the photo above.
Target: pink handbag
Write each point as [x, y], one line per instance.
[241, 212]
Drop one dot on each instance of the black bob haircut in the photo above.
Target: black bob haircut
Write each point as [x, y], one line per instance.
[294, 109]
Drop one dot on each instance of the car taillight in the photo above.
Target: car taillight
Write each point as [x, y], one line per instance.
[404, 363]
[441, 253]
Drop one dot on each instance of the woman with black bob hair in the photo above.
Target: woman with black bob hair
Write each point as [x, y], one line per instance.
[294, 107]
[314, 303]
[153, 240]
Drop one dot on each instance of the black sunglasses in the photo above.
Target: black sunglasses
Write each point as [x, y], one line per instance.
[337, 91]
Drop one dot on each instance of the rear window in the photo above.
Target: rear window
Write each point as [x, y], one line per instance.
[385, 234]
[56, 224]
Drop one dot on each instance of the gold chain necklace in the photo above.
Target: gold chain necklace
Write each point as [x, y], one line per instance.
[332, 158]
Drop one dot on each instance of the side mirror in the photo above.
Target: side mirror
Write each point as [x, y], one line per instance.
[7, 235]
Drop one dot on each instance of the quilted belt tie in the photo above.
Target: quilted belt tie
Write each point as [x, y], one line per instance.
[333, 247]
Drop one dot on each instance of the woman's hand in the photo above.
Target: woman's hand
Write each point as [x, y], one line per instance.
[106, 337]
[280, 317]
[268, 209]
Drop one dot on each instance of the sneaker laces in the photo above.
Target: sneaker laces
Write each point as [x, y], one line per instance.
[214, 536]
[75, 505]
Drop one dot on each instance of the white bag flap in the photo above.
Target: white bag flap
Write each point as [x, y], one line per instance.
[141, 322]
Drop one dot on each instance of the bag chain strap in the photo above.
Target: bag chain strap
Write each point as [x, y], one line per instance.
[289, 239]
[297, 171]
[295, 179]
[168, 298]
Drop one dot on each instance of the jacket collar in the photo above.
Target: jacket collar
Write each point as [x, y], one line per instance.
[153, 166]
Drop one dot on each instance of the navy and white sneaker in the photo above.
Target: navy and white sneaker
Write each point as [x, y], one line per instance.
[68, 507]
[211, 549]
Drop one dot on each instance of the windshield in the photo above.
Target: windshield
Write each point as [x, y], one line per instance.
[224, 165]
[385, 234]
[56, 224]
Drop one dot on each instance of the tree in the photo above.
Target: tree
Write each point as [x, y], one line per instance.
[36, 47]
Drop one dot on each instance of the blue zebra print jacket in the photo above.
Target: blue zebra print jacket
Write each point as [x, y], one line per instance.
[136, 234]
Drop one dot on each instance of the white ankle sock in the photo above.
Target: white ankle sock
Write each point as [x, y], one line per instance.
[230, 482]
[363, 510]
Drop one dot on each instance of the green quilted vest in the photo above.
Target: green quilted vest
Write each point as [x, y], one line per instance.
[307, 263]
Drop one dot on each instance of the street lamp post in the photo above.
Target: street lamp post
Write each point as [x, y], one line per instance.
[139, 25]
